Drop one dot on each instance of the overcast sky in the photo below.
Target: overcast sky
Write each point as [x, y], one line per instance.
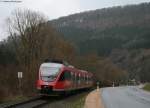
[57, 8]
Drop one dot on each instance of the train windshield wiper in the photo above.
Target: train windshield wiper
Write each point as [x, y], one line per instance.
[48, 78]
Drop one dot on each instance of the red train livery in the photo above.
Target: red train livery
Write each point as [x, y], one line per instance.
[61, 77]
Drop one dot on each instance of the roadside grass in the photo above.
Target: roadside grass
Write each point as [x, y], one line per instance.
[79, 103]
[75, 101]
[147, 87]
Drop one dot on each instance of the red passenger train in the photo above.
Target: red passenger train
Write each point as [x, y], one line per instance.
[59, 77]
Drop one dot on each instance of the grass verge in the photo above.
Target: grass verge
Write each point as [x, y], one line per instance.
[79, 103]
[74, 101]
[147, 87]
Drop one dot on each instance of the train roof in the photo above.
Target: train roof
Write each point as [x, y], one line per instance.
[51, 65]
[60, 63]
[56, 61]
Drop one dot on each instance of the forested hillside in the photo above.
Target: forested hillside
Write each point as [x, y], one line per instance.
[119, 33]
[105, 29]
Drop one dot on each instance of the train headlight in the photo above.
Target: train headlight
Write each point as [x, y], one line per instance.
[45, 83]
[39, 88]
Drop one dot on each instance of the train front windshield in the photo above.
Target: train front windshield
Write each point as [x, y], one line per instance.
[49, 73]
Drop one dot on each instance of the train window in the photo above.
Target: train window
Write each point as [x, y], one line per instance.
[62, 77]
[49, 71]
[79, 79]
[87, 79]
[72, 76]
[65, 76]
[82, 79]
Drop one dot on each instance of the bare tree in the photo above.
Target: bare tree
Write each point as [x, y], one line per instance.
[30, 33]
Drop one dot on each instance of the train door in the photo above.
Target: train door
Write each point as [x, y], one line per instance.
[66, 79]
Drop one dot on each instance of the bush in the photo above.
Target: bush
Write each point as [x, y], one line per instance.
[147, 87]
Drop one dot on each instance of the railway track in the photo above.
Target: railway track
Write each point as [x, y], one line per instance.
[45, 102]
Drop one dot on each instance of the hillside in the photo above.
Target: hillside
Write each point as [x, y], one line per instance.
[105, 29]
[120, 33]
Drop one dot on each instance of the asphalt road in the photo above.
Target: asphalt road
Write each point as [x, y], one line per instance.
[125, 97]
